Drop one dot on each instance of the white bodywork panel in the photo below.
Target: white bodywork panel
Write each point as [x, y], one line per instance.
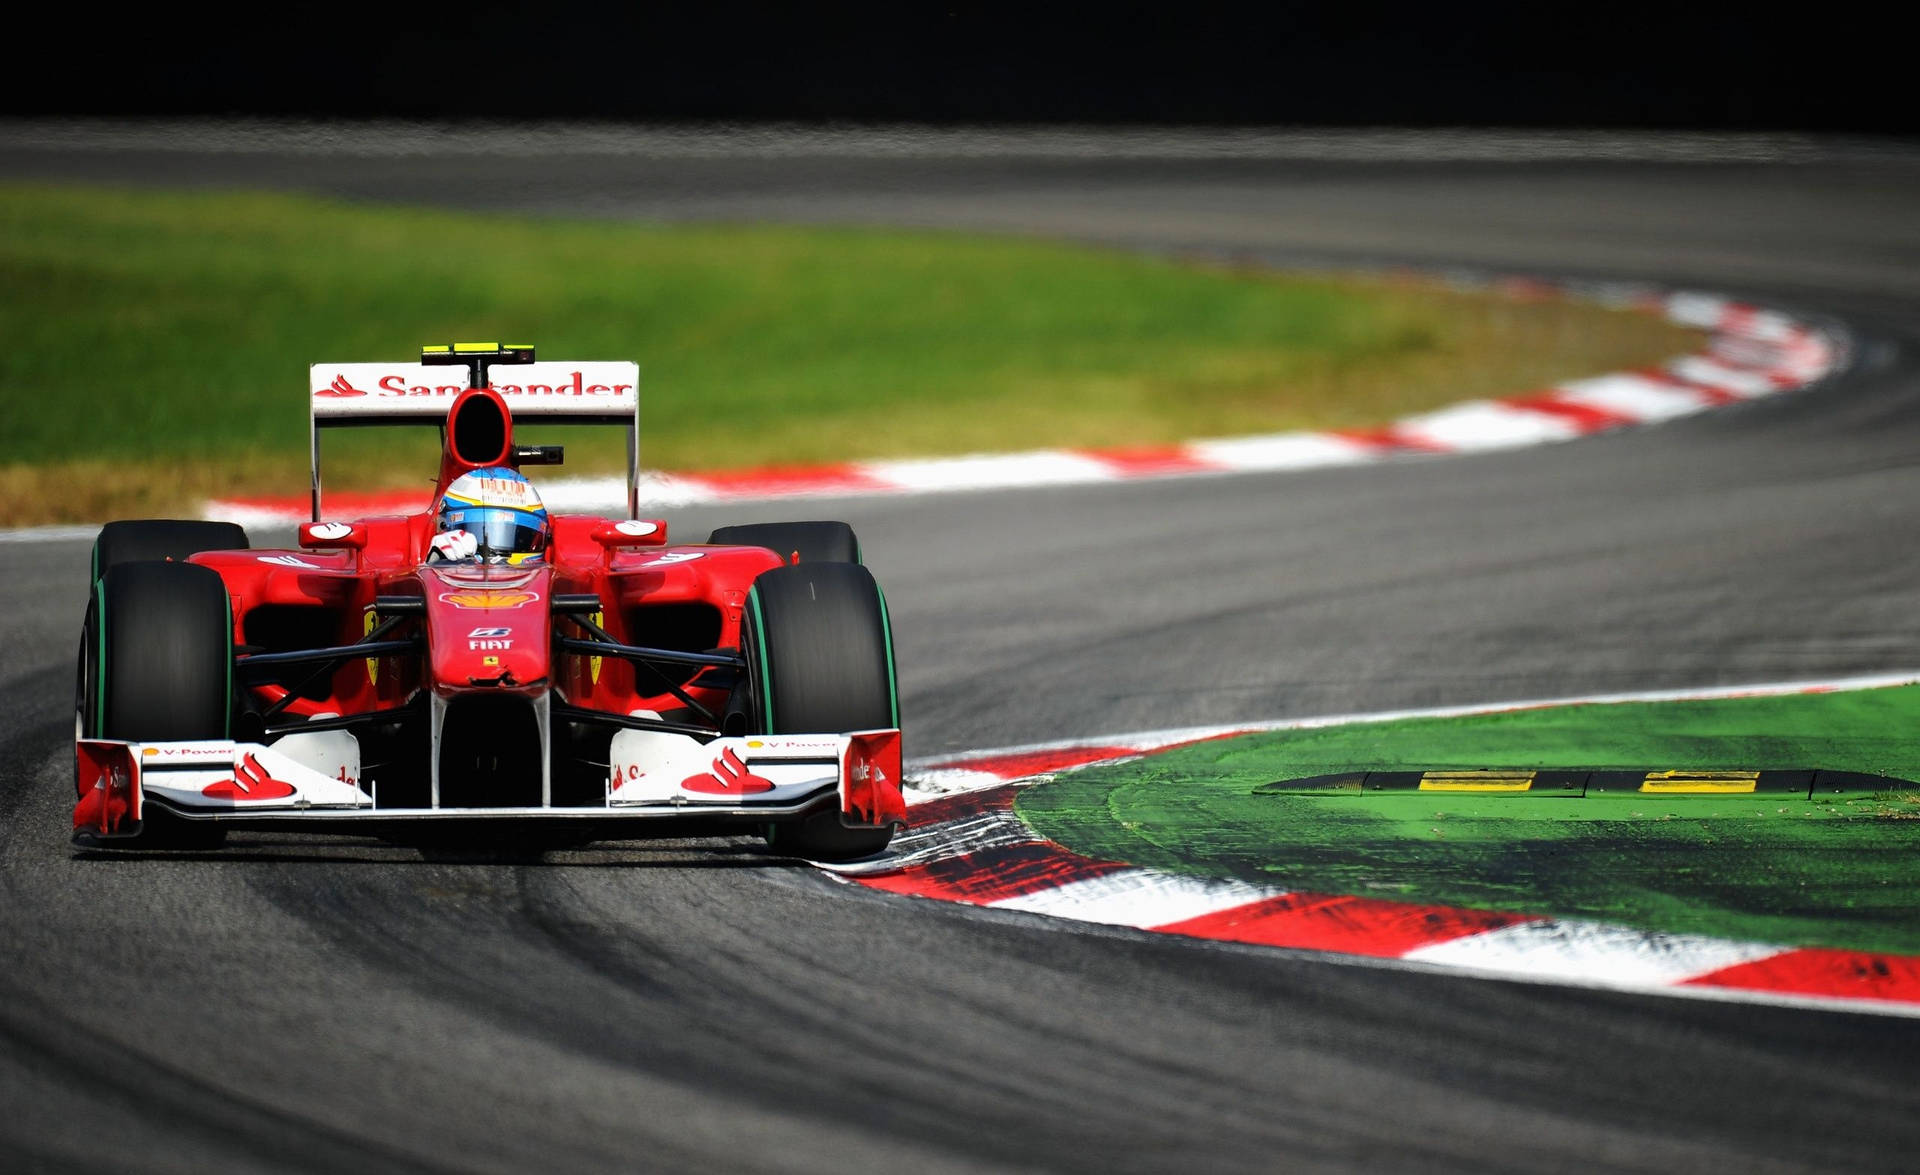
[652, 773]
[367, 391]
[316, 771]
[656, 767]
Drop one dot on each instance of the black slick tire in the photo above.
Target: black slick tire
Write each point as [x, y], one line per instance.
[816, 542]
[132, 541]
[159, 669]
[820, 659]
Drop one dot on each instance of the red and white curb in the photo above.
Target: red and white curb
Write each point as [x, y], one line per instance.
[966, 845]
[1751, 352]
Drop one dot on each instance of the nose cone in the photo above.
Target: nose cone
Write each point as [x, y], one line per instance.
[489, 627]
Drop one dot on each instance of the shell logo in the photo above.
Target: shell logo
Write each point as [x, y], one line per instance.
[488, 599]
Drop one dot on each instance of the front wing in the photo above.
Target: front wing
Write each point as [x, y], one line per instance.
[764, 777]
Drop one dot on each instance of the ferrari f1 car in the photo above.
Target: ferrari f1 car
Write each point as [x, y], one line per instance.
[607, 685]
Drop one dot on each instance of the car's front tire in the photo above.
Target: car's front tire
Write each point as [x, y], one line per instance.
[820, 659]
[156, 665]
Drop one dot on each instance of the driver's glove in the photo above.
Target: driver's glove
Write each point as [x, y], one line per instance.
[454, 546]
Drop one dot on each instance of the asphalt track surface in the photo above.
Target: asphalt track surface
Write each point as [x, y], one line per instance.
[295, 1003]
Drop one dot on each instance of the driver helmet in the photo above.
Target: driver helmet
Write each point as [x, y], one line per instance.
[502, 511]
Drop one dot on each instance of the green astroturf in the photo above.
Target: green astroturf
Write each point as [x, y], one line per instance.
[1840, 871]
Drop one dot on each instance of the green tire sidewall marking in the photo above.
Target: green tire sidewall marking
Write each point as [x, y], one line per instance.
[99, 724]
[226, 713]
[886, 629]
[760, 657]
[99, 642]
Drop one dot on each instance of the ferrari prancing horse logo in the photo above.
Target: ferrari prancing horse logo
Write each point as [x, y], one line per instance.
[370, 622]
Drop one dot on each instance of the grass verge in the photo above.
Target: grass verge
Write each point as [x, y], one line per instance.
[1844, 872]
[157, 341]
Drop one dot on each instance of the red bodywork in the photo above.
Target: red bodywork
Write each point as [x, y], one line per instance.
[598, 681]
[686, 598]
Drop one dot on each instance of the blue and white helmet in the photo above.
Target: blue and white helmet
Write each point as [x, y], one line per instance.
[503, 513]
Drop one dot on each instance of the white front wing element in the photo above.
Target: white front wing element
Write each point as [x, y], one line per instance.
[653, 775]
[658, 767]
[226, 776]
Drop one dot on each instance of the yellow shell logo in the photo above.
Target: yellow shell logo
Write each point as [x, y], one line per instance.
[489, 599]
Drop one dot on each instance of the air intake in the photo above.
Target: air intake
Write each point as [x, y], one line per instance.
[479, 429]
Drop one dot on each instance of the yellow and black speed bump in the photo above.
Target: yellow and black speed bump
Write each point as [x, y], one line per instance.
[1701, 783]
[1577, 784]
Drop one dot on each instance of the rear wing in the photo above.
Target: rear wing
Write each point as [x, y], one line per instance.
[347, 395]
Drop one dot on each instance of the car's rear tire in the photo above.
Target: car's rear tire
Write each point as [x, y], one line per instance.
[820, 660]
[816, 542]
[159, 669]
[142, 539]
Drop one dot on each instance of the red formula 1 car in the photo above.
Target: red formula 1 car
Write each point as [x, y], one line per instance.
[383, 679]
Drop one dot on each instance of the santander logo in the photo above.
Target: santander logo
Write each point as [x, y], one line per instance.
[339, 388]
[250, 782]
[728, 777]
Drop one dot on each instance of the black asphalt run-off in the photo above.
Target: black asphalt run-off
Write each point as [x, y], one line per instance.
[294, 1003]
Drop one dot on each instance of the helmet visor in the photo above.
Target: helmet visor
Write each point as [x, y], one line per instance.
[499, 530]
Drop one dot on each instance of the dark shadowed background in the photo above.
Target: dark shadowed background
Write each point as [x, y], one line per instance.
[1552, 65]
